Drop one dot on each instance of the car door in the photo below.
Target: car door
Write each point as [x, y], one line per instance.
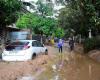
[40, 46]
[35, 47]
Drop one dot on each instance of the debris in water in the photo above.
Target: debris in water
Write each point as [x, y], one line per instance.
[45, 62]
[56, 77]
[90, 70]
[54, 67]
[26, 78]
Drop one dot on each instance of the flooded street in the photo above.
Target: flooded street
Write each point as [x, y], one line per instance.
[49, 39]
[55, 66]
[71, 66]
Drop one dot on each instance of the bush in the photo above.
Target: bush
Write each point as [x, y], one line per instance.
[90, 44]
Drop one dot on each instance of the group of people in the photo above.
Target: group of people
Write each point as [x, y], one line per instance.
[61, 43]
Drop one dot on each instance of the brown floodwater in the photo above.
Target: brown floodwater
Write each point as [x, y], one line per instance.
[71, 66]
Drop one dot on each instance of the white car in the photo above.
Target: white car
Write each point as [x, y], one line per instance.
[23, 50]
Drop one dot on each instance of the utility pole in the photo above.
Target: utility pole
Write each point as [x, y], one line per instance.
[90, 33]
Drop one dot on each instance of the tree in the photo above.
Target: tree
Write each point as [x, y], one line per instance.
[8, 11]
[28, 20]
[48, 26]
[39, 24]
[81, 15]
[70, 19]
[44, 9]
[59, 32]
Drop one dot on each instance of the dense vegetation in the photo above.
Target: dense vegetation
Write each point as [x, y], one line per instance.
[8, 11]
[90, 44]
[41, 22]
[81, 15]
[40, 25]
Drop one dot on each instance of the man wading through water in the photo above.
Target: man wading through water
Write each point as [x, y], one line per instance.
[71, 44]
[60, 45]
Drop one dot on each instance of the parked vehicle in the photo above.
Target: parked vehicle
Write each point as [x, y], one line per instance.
[23, 50]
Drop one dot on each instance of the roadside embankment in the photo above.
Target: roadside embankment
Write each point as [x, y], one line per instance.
[94, 54]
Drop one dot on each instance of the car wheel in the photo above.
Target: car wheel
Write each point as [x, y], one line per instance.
[46, 52]
[34, 55]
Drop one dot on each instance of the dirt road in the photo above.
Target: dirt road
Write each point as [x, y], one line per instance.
[15, 70]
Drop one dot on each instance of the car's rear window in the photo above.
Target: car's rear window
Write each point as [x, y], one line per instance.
[16, 46]
[19, 43]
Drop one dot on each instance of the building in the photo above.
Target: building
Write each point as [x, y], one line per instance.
[4, 35]
[4, 32]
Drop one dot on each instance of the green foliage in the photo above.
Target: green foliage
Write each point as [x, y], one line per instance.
[29, 21]
[48, 26]
[90, 44]
[38, 24]
[23, 22]
[70, 19]
[81, 15]
[59, 33]
[8, 11]
[44, 9]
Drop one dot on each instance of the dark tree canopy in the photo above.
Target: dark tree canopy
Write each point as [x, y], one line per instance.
[8, 11]
[81, 15]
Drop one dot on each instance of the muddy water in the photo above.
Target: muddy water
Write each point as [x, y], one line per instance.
[71, 66]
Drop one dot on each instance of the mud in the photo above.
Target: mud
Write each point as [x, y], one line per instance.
[72, 66]
[17, 70]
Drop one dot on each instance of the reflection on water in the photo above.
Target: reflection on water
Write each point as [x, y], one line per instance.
[71, 66]
[26, 78]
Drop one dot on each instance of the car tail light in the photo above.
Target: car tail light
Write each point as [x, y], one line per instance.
[26, 47]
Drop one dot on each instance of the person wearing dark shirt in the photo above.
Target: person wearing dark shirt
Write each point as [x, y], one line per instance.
[71, 44]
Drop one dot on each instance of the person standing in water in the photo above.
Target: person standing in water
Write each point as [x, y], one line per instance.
[60, 45]
[71, 44]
